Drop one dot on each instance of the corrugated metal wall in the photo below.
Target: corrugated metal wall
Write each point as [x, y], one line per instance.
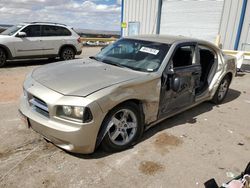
[245, 34]
[146, 12]
[230, 22]
[143, 11]
[192, 18]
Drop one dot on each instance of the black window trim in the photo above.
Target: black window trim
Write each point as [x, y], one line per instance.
[209, 48]
[21, 30]
[55, 35]
[194, 44]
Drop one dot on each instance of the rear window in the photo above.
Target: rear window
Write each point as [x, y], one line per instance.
[48, 30]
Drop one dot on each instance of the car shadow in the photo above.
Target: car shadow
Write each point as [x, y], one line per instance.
[188, 116]
[246, 68]
[29, 62]
[240, 74]
[231, 95]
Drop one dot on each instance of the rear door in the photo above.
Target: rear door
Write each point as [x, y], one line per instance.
[180, 80]
[31, 44]
[53, 37]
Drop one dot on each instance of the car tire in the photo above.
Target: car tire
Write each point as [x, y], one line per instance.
[222, 90]
[3, 57]
[67, 53]
[124, 128]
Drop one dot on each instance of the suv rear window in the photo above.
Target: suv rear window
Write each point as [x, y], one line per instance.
[48, 30]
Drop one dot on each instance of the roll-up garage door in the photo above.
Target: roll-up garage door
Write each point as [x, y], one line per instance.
[192, 18]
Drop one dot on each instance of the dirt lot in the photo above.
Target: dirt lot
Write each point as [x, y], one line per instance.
[184, 151]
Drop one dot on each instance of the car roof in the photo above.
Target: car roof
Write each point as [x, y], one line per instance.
[44, 23]
[169, 39]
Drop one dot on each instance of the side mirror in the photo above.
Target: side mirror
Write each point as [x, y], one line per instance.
[170, 69]
[176, 84]
[21, 34]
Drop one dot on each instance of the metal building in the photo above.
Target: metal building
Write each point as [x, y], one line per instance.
[205, 19]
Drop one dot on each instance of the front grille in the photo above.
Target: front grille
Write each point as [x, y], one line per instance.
[39, 106]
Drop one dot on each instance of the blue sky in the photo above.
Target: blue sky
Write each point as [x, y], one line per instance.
[84, 14]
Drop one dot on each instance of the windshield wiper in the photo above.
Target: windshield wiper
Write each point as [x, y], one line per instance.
[107, 62]
[138, 69]
[95, 58]
[125, 66]
[113, 63]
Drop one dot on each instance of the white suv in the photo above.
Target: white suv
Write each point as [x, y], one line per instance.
[39, 40]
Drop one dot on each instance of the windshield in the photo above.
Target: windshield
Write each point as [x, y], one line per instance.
[138, 55]
[12, 30]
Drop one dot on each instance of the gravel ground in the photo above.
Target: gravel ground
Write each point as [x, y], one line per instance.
[184, 151]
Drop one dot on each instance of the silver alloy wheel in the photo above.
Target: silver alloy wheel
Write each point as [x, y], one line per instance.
[123, 127]
[223, 89]
[68, 54]
[2, 57]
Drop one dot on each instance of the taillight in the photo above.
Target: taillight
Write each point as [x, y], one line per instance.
[79, 40]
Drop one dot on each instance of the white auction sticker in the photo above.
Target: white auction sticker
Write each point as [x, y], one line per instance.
[149, 50]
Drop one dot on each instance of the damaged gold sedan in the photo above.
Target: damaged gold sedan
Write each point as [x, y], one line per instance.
[111, 98]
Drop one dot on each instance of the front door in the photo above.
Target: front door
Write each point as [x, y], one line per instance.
[30, 45]
[179, 81]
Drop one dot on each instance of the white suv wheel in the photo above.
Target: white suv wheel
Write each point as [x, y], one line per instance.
[67, 54]
[2, 58]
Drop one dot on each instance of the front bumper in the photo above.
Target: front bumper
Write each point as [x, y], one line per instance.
[73, 137]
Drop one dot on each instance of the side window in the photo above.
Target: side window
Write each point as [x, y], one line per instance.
[48, 30]
[62, 31]
[32, 31]
[184, 56]
[207, 55]
[207, 60]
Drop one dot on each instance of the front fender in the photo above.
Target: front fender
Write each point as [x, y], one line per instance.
[7, 50]
[146, 90]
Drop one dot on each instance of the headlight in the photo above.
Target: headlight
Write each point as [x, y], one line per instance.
[78, 111]
[67, 110]
[74, 113]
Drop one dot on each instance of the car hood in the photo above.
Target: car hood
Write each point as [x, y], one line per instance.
[82, 77]
[4, 36]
